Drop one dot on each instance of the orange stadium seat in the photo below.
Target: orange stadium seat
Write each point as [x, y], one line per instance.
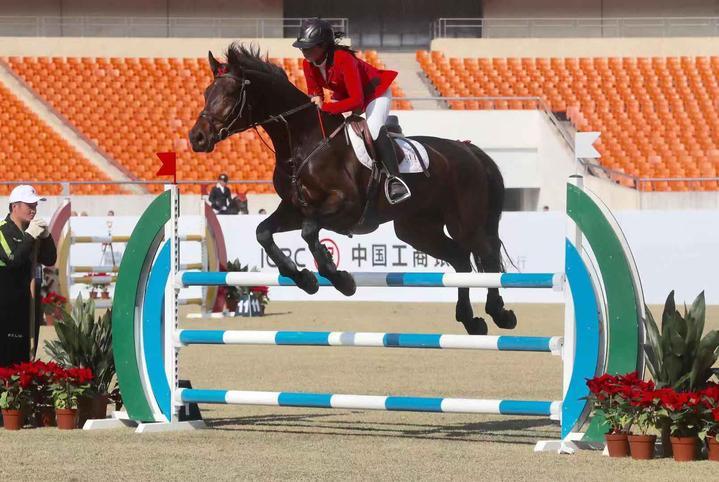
[32, 151]
[134, 107]
[658, 116]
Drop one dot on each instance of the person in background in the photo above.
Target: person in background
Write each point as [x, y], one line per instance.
[222, 200]
[24, 241]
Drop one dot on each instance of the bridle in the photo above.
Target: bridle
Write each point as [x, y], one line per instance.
[236, 114]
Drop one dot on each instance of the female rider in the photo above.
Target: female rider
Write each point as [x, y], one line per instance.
[356, 87]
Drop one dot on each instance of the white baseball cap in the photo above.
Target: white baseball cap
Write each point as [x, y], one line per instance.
[25, 193]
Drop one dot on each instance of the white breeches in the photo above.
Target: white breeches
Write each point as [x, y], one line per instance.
[377, 112]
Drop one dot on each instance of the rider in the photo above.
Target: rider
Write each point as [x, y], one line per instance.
[356, 87]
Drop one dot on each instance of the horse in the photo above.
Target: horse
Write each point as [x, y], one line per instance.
[322, 184]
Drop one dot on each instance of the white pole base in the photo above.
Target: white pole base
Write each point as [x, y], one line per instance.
[117, 420]
[154, 427]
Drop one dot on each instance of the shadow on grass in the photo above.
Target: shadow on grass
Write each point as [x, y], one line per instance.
[515, 430]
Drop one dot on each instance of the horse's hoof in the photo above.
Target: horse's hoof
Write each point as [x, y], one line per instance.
[307, 281]
[507, 320]
[475, 326]
[345, 283]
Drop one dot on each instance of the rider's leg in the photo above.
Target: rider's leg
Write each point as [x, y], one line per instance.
[377, 111]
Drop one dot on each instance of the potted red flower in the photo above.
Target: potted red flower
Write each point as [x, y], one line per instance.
[68, 385]
[53, 306]
[710, 412]
[684, 412]
[14, 396]
[609, 396]
[40, 395]
[645, 405]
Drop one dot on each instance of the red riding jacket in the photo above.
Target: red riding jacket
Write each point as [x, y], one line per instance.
[353, 82]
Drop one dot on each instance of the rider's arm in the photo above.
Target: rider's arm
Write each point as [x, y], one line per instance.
[349, 66]
[313, 87]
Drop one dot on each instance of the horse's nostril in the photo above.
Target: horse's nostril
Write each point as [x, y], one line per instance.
[198, 138]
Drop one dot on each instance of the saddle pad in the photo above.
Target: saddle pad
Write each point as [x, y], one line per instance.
[410, 163]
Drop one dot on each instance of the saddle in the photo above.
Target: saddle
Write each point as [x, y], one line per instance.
[360, 127]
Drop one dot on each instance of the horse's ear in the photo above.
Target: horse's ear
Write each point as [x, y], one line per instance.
[214, 64]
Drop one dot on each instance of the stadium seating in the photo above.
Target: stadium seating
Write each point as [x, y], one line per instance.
[658, 116]
[134, 107]
[33, 151]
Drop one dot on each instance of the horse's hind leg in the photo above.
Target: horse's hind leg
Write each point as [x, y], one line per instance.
[430, 238]
[341, 280]
[285, 218]
[489, 259]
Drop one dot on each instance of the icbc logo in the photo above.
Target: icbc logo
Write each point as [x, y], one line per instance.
[333, 249]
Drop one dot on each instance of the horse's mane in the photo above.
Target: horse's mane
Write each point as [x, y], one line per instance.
[240, 57]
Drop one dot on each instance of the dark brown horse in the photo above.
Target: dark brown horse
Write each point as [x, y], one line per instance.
[322, 185]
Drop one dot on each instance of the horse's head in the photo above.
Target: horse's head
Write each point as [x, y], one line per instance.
[226, 107]
[244, 93]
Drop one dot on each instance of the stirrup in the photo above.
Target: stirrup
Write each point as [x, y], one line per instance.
[404, 197]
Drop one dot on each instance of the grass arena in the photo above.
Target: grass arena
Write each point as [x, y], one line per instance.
[297, 443]
[556, 179]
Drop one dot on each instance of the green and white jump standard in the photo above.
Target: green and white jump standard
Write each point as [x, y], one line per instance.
[602, 328]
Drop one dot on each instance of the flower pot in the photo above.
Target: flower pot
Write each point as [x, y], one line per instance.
[99, 406]
[105, 295]
[231, 305]
[617, 444]
[712, 449]
[93, 295]
[642, 446]
[684, 448]
[45, 416]
[66, 418]
[91, 408]
[13, 419]
[665, 439]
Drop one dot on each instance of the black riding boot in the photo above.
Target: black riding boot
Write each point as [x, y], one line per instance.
[395, 189]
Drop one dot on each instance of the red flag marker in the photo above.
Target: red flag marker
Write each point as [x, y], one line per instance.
[169, 165]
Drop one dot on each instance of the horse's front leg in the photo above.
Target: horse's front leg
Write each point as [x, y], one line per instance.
[285, 218]
[342, 280]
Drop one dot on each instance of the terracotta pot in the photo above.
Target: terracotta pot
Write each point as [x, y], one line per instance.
[45, 416]
[105, 295]
[712, 449]
[642, 446]
[684, 448]
[66, 418]
[13, 419]
[617, 444]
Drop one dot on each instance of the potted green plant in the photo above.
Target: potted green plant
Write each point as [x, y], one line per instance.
[14, 396]
[86, 342]
[233, 294]
[67, 388]
[676, 355]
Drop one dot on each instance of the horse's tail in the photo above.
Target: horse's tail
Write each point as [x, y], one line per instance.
[495, 185]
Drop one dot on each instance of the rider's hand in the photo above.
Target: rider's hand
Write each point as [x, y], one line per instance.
[317, 100]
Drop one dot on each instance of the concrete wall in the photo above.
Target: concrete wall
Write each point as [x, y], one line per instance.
[599, 8]
[145, 8]
[136, 47]
[584, 47]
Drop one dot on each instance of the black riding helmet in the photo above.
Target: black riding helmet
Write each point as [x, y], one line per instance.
[314, 31]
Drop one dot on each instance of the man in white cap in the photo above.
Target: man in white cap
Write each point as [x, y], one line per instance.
[23, 237]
